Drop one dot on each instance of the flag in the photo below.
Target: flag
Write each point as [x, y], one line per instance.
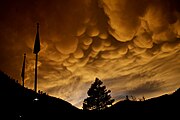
[23, 67]
[37, 41]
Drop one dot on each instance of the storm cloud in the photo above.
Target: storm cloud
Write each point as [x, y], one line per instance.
[133, 46]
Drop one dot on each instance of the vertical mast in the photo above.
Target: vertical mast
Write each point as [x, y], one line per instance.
[23, 69]
[36, 51]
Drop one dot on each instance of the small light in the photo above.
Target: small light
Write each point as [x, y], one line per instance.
[36, 99]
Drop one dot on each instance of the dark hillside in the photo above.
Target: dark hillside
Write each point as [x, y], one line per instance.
[19, 102]
[163, 105]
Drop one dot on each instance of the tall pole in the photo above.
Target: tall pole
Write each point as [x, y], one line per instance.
[23, 69]
[35, 82]
[36, 51]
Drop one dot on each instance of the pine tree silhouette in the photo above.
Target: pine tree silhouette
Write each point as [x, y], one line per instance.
[99, 97]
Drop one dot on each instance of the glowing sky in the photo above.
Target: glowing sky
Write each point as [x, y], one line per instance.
[133, 46]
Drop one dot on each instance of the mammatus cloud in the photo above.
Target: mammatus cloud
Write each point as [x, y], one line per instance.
[134, 50]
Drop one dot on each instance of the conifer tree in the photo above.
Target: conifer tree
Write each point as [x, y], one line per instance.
[99, 97]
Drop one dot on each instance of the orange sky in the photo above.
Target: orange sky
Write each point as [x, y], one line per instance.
[133, 46]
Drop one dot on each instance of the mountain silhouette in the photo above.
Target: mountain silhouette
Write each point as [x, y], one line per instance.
[19, 103]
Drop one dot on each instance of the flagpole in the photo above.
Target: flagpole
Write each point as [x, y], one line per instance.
[36, 51]
[23, 70]
[35, 82]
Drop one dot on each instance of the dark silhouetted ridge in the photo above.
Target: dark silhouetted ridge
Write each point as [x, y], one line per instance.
[168, 104]
[17, 102]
